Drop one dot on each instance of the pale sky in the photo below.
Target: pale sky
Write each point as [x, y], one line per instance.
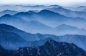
[42, 2]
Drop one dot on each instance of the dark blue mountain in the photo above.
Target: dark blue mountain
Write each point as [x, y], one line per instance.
[50, 48]
[23, 34]
[11, 40]
[39, 39]
[9, 18]
[4, 52]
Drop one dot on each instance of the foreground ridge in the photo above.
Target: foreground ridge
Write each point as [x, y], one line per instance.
[50, 48]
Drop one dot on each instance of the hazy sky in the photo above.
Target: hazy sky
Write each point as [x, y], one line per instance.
[43, 2]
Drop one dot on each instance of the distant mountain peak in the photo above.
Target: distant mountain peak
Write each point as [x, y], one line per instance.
[54, 5]
[45, 11]
[22, 13]
[81, 6]
[6, 15]
[7, 10]
[65, 26]
[50, 42]
[30, 11]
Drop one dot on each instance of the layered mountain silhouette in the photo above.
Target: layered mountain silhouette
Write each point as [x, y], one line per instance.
[67, 29]
[76, 8]
[38, 39]
[50, 48]
[28, 26]
[23, 34]
[36, 27]
[39, 42]
[52, 19]
[79, 40]
[42, 31]
[11, 12]
[54, 6]
[68, 13]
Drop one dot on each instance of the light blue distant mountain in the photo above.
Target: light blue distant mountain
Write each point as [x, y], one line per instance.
[11, 12]
[43, 22]
[28, 26]
[53, 19]
[37, 27]
[83, 10]
[76, 8]
[34, 6]
[68, 13]
[67, 29]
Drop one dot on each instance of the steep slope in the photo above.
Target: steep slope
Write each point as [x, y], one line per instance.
[50, 48]
[4, 52]
[10, 40]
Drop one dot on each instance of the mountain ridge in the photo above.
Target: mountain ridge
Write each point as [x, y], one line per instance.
[53, 48]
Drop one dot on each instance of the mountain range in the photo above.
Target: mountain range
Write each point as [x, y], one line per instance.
[40, 30]
[28, 29]
[76, 8]
[68, 13]
[61, 18]
[10, 33]
[52, 19]
[50, 48]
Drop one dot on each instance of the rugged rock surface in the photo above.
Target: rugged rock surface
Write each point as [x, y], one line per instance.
[50, 48]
